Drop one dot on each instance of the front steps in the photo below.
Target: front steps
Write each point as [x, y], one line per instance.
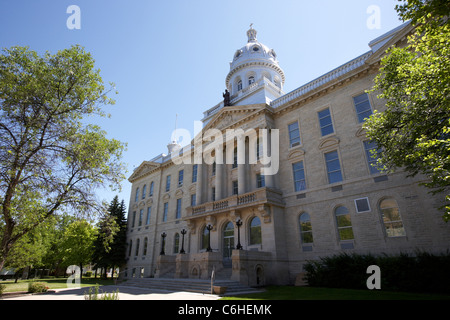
[189, 285]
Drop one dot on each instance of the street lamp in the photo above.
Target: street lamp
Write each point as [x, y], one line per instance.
[239, 224]
[209, 227]
[183, 232]
[163, 243]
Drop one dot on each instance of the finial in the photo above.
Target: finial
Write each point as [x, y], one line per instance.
[251, 33]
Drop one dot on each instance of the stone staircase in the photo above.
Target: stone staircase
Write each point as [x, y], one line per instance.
[189, 285]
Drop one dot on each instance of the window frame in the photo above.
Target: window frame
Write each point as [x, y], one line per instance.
[321, 126]
[355, 105]
[329, 172]
[292, 141]
[294, 174]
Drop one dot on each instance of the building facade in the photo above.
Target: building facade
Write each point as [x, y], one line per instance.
[325, 196]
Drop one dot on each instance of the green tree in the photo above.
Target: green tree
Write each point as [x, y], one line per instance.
[413, 132]
[51, 159]
[78, 243]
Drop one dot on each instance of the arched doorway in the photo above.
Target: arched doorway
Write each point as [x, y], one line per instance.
[228, 242]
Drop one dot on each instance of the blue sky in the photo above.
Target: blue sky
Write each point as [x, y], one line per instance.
[171, 57]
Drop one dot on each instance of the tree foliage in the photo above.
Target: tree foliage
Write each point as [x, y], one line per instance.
[51, 159]
[413, 132]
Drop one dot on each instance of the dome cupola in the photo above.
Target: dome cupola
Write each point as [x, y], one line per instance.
[254, 65]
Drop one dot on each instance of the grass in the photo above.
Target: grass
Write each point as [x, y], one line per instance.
[52, 283]
[312, 293]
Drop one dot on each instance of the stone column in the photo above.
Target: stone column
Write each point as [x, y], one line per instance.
[219, 176]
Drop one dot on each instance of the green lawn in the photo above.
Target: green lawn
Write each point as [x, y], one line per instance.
[310, 293]
[52, 283]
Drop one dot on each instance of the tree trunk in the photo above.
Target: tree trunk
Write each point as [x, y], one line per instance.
[81, 272]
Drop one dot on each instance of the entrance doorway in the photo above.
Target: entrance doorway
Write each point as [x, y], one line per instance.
[228, 243]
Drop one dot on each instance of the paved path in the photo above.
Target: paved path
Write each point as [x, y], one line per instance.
[125, 293]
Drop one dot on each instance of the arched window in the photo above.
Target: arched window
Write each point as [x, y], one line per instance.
[145, 246]
[136, 198]
[344, 223]
[228, 240]
[144, 191]
[255, 231]
[129, 249]
[176, 243]
[392, 220]
[151, 189]
[306, 235]
[251, 80]
[137, 247]
[239, 85]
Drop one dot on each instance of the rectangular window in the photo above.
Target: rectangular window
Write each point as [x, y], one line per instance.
[299, 176]
[178, 213]
[333, 167]
[235, 187]
[193, 199]
[166, 209]
[235, 159]
[149, 214]
[260, 181]
[168, 183]
[213, 191]
[294, 134]
[326, 125]
[362, 205]
[151, 188]
[369, 146]
[362, 106]
[214, 168]
[134, 219]
[180, 178]
[194, 173]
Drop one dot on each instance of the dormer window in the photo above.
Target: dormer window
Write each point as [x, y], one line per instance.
[255, 49]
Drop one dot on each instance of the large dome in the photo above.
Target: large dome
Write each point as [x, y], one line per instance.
[256, 56]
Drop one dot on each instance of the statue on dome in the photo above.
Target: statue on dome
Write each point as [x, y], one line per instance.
[226, 98]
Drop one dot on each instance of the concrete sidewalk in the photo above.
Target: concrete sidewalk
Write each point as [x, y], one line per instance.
[125, 293]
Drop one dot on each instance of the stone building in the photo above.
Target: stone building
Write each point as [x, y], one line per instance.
[233, 216]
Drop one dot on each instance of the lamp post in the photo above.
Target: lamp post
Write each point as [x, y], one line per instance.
[239, 224]
[163, 243]
[183, 232]
[209, 228]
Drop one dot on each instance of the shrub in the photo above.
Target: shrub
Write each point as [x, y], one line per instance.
[2, 289]
[93, 294]
[421, 272]
[36, 287]
[88, 274]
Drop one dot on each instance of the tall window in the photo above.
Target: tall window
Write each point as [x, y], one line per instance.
[239, 85]
[305, 228]
[141, 216]
[134, 218]
[144, 191]
[176, 243]
[235, 159]
[213, 194]
[130, 248]
[333, 167]
[144, 252]
[149, 213]
[299, 176]
[214, 168]
[235, 187]
[168, 183]
[391, 218]
[194, 173]
[362, 106]
[166, 209]
[255, 231]
[294, 134]
[136, 198]
[326, 125]
[251, 80]
[178, 213]
[344, 223]
[136, 253]
[152, 185]
[193, 199]
[180, 177]
[369, 146]
[260, 180]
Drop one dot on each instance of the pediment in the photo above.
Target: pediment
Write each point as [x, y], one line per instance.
[396, 38]
[329, 143]
[233, 115]
[145, 168]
